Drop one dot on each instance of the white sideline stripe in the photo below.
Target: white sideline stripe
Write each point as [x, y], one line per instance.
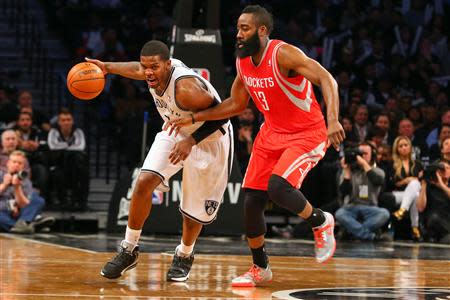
[47, 243]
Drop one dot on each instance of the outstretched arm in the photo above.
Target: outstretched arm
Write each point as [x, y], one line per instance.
[292, 58]
[192, 95]
[230, 107]
[129, 69]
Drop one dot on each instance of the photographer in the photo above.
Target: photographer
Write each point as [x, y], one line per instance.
[434, 201]
[18, 209]
[360, 184]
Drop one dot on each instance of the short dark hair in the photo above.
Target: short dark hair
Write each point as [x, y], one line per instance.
[24, 113]
[65, 111]
[154, 47]
[262, 16]
[442, 126]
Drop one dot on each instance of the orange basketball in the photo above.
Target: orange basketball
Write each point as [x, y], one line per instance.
[85, 81]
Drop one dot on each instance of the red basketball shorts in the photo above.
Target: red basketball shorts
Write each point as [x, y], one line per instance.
[290, 156]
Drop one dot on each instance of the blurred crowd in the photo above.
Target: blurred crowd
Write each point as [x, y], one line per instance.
[390, 59]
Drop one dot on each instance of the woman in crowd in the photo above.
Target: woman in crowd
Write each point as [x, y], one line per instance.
[406, 182]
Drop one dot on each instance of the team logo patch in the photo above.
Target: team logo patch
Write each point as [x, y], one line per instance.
[211, 206]
[436, 293]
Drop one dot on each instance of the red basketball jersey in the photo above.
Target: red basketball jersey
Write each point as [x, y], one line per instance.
[288, 104]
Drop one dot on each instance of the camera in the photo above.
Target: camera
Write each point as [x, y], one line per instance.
[350, 156]
[21, 174]
[429, 174]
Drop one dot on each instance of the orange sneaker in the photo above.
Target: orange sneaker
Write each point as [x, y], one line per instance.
[253, 277]
[324, 236]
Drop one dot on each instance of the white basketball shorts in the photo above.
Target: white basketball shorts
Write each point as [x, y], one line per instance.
[205, 171]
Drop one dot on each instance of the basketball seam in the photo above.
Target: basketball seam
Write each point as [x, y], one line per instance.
[72, 86]
[80, 69]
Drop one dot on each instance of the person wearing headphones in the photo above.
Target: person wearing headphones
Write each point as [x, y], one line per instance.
[360, 183]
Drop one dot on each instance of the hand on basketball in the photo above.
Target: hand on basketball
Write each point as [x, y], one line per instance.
[336, 134]
[176, 124]
[99, 64]
[181, 150]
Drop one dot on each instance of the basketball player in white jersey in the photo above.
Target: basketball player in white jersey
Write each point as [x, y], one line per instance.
[203, 150]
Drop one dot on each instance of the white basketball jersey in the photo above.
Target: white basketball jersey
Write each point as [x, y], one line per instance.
[167, 105]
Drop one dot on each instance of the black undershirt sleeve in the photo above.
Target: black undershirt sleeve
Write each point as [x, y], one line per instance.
[208, 127]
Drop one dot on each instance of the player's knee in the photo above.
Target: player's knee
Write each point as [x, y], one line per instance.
[144, 181]
[277, 186]
[282, 193]
[255, 201]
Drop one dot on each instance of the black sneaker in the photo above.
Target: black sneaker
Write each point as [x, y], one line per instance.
[40, 223]
[180, 268]
[122, 262]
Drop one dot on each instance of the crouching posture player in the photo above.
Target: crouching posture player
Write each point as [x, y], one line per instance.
[202, 149]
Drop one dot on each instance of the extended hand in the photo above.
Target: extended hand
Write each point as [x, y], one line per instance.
[176, 124]
[99, 63]
[181, 150]
[336, 134]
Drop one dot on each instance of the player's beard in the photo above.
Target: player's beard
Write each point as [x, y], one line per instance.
[250, 47]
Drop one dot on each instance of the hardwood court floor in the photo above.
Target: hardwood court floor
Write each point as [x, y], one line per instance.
[33, 269]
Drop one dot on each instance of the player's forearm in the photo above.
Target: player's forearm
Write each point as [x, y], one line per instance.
[224, 110]
[130, 69]
[330, 93]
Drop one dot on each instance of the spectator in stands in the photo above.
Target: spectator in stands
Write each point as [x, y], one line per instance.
[10, 142]
[68, 162]
[445, 150]
[25, 104]
[360, 183]
[361, 126]
[406, 181]
[32, 143]
[433, 137]
[376, 136]
[434, 201]
[435, 149]
[18, 209]
[383, 122]
[406, 128]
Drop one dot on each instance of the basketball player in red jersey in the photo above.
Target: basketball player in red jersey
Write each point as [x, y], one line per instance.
[292, 139]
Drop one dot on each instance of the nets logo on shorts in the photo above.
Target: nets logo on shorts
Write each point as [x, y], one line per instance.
[211, 206]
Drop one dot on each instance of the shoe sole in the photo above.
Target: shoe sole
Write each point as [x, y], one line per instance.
[247, 285]
[121, 273]
[334, 246]
[178, 279]
[46, 223]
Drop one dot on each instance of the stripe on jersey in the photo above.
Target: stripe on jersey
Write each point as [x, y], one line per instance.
[314, 156]
[303, 104]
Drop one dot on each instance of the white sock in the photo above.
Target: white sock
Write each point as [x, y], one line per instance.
[185, 250]
[132, 236]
